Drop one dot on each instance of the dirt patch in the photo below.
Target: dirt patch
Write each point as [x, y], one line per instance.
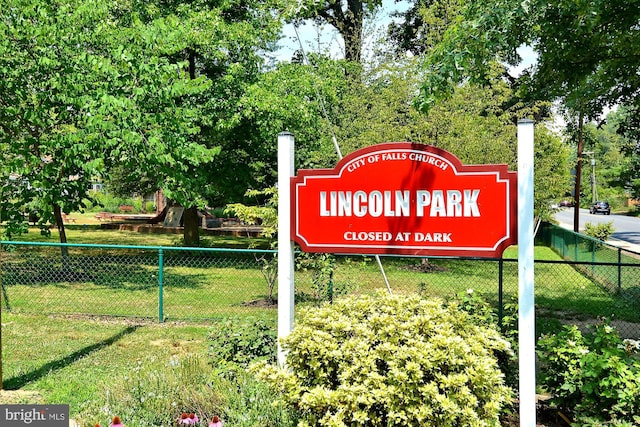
[261, 303]
[547, 415]
[626, 330]
[16, 397]
[117, 320]
[424, 267]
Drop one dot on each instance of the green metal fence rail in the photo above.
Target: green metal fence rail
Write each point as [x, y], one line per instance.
[175, 283]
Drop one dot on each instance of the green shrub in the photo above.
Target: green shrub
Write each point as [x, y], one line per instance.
[137, 204]
[390, 361]
[241, 341]
[109, 203]
[599, 231]
[593, 375]
[324, 284]
[483, 313]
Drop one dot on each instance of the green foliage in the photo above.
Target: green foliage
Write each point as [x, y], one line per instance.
[626, 172]
[595, 375]
[265, 215]
[600, 231]
[393, 361]
[46, 147]
[580, 44]
[241, 341]
[264, 212]
[267, 109]
[324, 285]
[109, 203]
[478, 307]
[155, 392]
[552, 179]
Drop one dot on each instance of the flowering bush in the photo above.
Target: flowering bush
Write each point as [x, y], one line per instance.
[185, 418]
[594, 376]
[156, 391]
[392, 361]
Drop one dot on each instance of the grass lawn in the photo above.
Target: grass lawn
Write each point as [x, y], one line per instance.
[104, 326]
[75, 360]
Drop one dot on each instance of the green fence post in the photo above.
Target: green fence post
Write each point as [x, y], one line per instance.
[594, 247]
[619, 270]
[160, 284]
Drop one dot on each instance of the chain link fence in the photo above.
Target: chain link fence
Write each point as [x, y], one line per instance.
[613, 267]
[173, 283]
[136, 281]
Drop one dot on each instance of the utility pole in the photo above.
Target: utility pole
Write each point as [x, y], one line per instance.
[576, 197]
[594, 193]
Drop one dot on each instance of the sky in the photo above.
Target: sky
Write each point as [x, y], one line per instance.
[325, 38]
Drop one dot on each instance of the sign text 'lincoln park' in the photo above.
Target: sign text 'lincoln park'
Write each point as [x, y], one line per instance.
[407, 199]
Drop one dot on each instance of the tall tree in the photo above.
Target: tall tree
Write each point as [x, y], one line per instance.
[346, 16]
[221, 44]
[587, 55]
[42, 101]
[81, 86]
[423, 25]
[587, 51]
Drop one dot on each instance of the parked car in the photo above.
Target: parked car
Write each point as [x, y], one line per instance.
[602, 207]
[567, 204]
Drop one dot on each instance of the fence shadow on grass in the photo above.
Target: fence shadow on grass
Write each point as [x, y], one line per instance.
[15, 383]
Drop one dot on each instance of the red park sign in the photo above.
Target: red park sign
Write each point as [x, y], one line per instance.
[405, 199]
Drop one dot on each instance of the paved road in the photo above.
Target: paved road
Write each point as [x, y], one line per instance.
[627, 228]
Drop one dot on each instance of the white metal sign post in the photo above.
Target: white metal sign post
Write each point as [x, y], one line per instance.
[286, 170]
[526, 314]
[526, 311]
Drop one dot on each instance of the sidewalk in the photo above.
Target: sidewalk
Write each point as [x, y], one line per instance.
[627, 246]
[624, 245]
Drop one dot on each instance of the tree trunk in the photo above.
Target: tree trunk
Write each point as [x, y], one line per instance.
[352, 31]
[349, 24]
[191, 226]
[190, 215]
[576, 196]
[57, 213]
